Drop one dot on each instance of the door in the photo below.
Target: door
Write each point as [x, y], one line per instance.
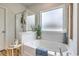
[2, 28]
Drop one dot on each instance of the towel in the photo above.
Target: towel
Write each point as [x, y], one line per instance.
[65, 39]
[41, 52]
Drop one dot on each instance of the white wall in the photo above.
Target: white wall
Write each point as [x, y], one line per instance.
[11, 10]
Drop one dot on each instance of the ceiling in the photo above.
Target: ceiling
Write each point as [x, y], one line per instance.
[33, 4]
[29, 4]
[36, 7]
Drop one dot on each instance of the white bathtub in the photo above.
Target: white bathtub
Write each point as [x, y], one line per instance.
[30, 44]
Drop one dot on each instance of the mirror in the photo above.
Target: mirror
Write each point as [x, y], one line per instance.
[30, 22]
[25, 21]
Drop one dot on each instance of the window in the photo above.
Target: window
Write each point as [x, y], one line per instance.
[52, 20]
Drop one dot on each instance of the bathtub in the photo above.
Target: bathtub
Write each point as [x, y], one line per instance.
[30, 43]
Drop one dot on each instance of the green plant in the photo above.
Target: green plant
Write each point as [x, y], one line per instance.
[22, 19]
[23, 23]
[38, 31]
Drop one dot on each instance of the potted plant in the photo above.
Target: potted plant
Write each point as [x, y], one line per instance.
[38, 32]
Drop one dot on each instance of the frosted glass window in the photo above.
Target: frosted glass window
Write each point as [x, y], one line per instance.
[30, 22]
[52, 20]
